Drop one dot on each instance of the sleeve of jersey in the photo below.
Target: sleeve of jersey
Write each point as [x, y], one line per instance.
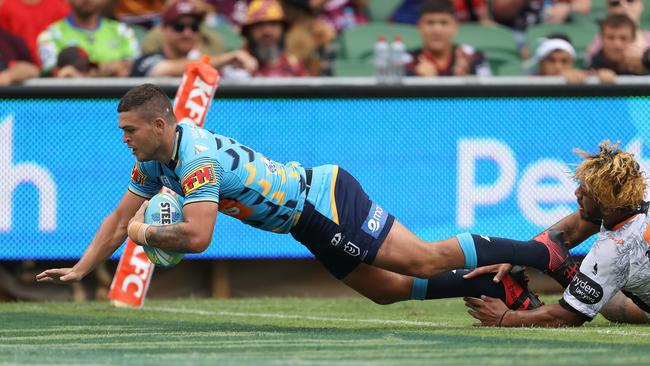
[602, 274]
[142, 183]
[201, 180]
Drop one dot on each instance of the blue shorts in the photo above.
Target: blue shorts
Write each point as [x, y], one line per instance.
[362, 228]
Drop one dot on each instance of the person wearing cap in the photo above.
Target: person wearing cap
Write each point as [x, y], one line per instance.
[73, 62]
[439, 56]
[180, 44]
[264, 31]
[110, 44]
[16, 63]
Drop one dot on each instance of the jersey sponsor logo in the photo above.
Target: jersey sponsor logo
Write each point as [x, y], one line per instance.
[375, 221]
[198, 178]
[235, 209]
[585, 289]
[137, 176]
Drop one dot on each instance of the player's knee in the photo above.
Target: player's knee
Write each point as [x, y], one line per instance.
[393, 290]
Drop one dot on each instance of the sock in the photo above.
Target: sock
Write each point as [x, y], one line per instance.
[452, 284]
[483, 250]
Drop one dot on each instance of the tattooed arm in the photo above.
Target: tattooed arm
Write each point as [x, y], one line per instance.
[193, 235]
[621, 309]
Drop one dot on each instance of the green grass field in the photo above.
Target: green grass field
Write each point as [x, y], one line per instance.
[284, 331]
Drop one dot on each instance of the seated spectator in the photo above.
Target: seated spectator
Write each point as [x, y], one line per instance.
[618, 52]
[209, 42]
[555, 56]
[337, 14]
[634, 10]
[73, 62]
[26, 19]
[464, 11]
[16, 62]
[264, 31]
[180, 44]
[439, 56]
[110, 44]
[231, 12]
[309, 37]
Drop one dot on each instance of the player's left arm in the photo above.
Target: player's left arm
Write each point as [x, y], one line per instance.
[193, 235]
[493, 312]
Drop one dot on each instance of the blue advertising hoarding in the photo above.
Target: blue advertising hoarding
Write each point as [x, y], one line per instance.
[495, 166]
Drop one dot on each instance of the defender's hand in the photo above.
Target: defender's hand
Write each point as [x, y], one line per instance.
[59, 276]
[488, 310]
[500, 269]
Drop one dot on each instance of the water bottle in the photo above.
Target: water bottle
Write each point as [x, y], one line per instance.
[381, 59]
[398, 60]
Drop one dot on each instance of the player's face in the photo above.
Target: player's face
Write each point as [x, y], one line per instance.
[556, 63]
[139, 135]
[437, 31]
[588, 206]
[615, 42]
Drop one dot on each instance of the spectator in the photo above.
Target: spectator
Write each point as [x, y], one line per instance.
[264, 31]
[73, 62]
[618, 33]
[180, 44]
[464, 11]
[309, 37]
[555, 56]
[231, 12]
[633, 9]
[209, 42]
[337, 14]
[439, 56]
[110, 44]
[16, 62]
[26, 19]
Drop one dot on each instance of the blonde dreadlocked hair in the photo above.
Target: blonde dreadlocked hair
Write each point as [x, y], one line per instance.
[612, 177]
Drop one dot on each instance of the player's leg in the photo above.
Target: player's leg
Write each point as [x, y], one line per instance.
[385, 287]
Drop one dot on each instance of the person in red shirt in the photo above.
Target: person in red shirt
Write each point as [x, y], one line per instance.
[16, 64]
[439, 56]
[26, 19]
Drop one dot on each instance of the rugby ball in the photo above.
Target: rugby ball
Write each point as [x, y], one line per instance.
[163, 209]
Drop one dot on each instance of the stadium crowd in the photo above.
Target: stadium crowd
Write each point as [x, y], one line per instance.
[295, 38]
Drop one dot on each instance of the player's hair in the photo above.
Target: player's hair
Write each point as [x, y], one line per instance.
[437, 6]
[612, 177]
[150, 101]
[618, 21]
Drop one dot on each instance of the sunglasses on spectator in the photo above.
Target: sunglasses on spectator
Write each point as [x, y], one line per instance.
[180, 27]
[615, 3]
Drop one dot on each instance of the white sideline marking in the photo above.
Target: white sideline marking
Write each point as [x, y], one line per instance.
[302, 317]
[609, 331]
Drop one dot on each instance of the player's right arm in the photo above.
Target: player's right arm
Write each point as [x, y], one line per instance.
[111, 234]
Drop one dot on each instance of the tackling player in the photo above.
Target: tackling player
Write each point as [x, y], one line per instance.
[323, 207]
[611, 190]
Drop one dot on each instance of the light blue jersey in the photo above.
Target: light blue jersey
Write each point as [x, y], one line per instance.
[246, 185]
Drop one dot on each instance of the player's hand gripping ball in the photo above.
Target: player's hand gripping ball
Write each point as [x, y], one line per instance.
[163, 209]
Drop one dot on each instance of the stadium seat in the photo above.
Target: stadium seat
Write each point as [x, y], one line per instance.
[487, 38]
[381, 10]
[357, 43]
[509, 68]
[343, 67]
[231, 38]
